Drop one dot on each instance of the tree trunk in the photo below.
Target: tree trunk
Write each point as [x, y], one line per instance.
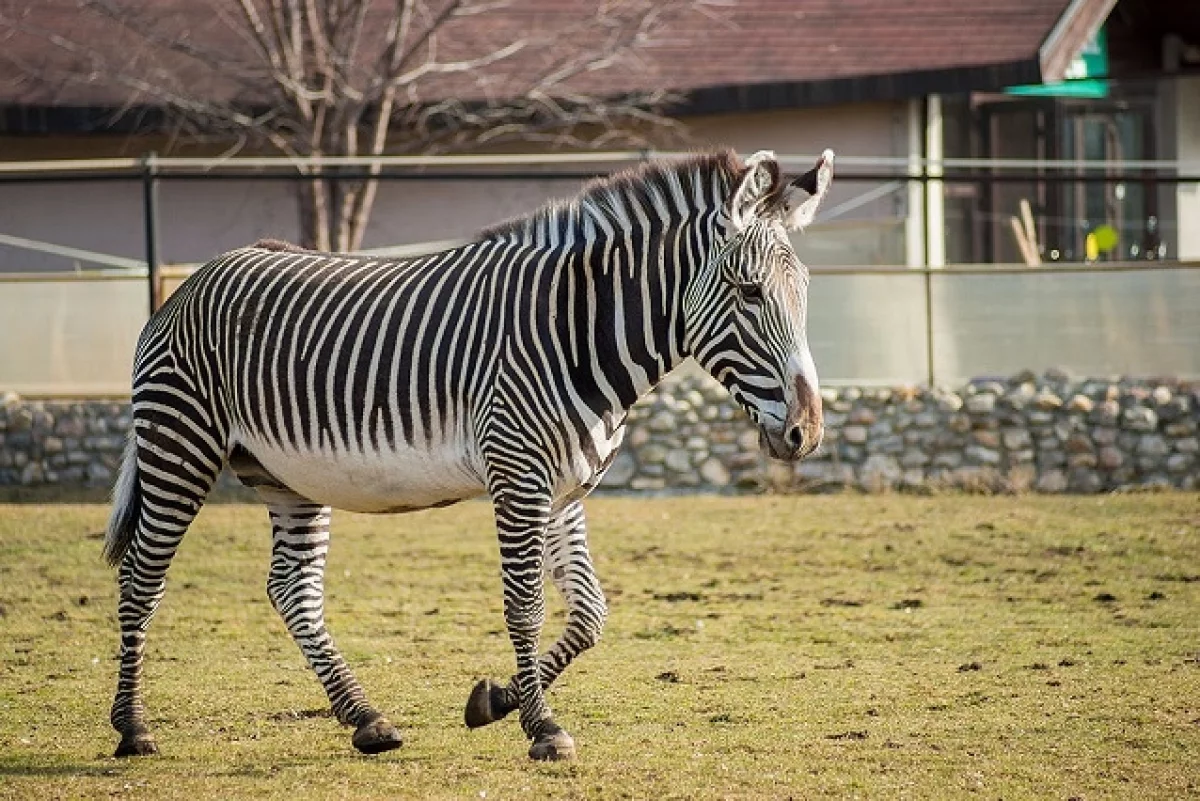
[313, 202]
[359, 212]
[340, 213]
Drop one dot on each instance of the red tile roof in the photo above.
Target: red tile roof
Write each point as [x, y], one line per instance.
[729, 52]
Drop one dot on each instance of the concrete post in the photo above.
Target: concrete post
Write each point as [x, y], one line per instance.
[1187, 142]
[914, 224]
[935, 208]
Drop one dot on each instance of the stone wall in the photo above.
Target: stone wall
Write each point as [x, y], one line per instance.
[61, 442]
[1043, 433]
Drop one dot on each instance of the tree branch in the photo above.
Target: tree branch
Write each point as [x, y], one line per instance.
[436, 76]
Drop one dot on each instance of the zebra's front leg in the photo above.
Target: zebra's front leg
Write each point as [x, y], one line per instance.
[522, 519]
[296, 586]
[569, 565]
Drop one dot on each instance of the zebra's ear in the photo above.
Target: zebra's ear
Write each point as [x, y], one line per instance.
[762, 173]
[816, 183]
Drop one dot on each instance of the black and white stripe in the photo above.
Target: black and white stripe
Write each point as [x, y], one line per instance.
[505, 366]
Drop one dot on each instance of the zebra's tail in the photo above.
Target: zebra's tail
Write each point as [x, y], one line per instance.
[122, 524]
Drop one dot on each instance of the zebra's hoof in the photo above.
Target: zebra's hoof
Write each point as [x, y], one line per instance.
[376, 736]
[555, 747]
[136, 743]
[487, 704]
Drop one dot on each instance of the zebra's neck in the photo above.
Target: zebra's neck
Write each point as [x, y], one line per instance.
[638, 280]
[610, 270]
[607, 299]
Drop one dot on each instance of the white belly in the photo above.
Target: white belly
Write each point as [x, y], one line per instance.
[396, 480]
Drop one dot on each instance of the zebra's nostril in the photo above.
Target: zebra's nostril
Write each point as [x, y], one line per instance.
[794, 437]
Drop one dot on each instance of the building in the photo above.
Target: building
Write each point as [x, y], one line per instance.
[896, 83]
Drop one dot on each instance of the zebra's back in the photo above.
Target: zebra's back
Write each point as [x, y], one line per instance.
[351, 381]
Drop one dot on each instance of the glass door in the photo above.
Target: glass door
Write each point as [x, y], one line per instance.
[1119, 216]
[1068, 206]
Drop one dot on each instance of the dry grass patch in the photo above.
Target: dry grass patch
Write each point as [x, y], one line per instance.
[758, 647]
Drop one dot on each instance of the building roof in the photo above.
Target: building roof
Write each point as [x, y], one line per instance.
[719, 55]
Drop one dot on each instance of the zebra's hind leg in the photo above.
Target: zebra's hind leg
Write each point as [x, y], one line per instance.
[296, 586]
[168, 470]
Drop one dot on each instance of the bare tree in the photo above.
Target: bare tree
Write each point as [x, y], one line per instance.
[354, 77]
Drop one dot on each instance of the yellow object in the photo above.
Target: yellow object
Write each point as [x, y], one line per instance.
[1107, 238]
[1091, 247]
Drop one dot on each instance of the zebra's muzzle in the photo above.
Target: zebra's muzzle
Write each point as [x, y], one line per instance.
[802, 431]
[790, 444]
[776, 445]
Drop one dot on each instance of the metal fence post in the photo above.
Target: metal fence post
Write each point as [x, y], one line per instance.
[150, 221]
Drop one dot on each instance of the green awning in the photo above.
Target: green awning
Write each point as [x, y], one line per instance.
[1085, 77]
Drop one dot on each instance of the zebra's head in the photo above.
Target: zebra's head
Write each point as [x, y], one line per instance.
[746, 313]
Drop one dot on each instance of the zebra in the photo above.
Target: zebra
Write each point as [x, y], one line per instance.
[505, 366]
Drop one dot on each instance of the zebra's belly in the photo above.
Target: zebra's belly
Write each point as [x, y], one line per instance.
[402, 479]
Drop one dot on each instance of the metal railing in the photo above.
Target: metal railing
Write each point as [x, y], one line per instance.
[891, 174]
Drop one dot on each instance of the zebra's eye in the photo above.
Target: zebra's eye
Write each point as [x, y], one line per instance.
[751, 293]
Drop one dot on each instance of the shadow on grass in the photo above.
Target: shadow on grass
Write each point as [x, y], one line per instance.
[224, 493]
[105, 766]
[13, 767]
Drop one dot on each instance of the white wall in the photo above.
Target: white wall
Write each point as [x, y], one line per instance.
[198, 219]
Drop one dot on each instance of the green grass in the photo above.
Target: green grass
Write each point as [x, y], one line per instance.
[766, 647]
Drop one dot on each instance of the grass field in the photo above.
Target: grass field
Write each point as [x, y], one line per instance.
[765, 647]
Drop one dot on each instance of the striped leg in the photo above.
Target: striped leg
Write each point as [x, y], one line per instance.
[522, 518]
[296, 586]
[569, 565]
[171, 478]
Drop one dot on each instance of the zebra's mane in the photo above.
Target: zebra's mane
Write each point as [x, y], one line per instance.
[612, 199]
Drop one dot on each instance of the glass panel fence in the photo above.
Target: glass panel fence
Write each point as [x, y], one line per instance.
[1143, 322]
[868, 328]
[73, 336]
